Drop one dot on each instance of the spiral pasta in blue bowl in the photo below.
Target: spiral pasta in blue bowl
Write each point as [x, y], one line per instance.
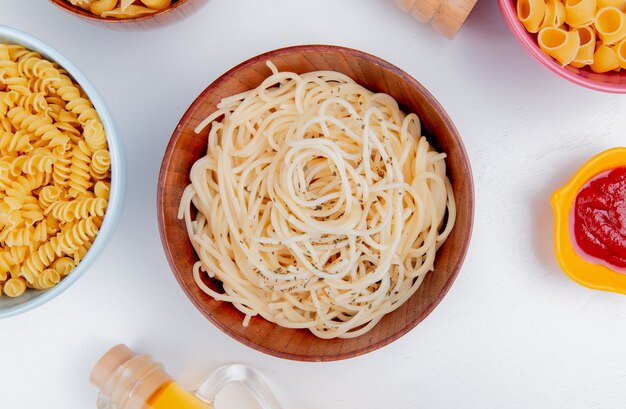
[62, 173]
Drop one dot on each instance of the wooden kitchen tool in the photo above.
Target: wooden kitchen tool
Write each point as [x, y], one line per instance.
[446, 16]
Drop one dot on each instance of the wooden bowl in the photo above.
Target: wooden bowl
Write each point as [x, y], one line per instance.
[175, 12]
[185, 147]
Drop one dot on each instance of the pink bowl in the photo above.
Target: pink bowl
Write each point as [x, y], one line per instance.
[609, 82]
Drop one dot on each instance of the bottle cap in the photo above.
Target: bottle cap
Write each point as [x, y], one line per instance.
[127, 380]
[110, 361]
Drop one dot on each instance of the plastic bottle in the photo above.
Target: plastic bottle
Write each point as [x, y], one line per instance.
[133, 381]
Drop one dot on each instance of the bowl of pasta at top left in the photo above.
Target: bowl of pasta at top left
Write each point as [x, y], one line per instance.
[59, 147]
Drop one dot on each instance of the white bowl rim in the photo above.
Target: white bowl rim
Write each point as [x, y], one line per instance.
[118, 168]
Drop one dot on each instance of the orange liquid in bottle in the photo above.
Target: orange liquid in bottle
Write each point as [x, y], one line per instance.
[172, 396]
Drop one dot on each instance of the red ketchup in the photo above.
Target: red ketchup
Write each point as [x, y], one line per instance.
[599, 219]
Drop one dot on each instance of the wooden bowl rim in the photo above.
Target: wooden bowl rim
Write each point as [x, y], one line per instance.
[77, 11]
[462, 251]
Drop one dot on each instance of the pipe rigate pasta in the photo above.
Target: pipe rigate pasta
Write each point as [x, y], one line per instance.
[597, 23]
[559, 44]
[68, 211]
[580, 13]
[620, 4]
[530, 13]
[611, 25]
[555, 14]
[620, 51]
[54, 172]
[605, 59]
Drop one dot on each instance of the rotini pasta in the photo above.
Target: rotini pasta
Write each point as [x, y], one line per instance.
[68, 211]
[54, 172]
[580, 33]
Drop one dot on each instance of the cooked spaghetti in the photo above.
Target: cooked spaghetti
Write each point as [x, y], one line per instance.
[320, 205]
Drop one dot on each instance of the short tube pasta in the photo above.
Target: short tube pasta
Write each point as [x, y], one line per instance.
[580, 13]
[579, 33]
[620, 4]
[620, 51]
[555, 14]
[605, 60]
[586, 50]
[530, 13]
[560, 44]
[611, 25]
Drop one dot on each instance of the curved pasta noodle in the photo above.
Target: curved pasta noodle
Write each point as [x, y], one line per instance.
[47, 279]
[555, 14]
[620, 51]
[605, 59]
[559, 44]
[530, 13]
[580, 13]
[620, 4]
[586, 50]
[611, 25]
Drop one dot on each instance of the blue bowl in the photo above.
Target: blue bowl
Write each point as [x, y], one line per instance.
[32, 299]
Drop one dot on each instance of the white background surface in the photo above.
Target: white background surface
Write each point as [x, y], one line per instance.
[512, 332]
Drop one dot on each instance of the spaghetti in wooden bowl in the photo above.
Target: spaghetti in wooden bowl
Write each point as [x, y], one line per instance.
[186, 147]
